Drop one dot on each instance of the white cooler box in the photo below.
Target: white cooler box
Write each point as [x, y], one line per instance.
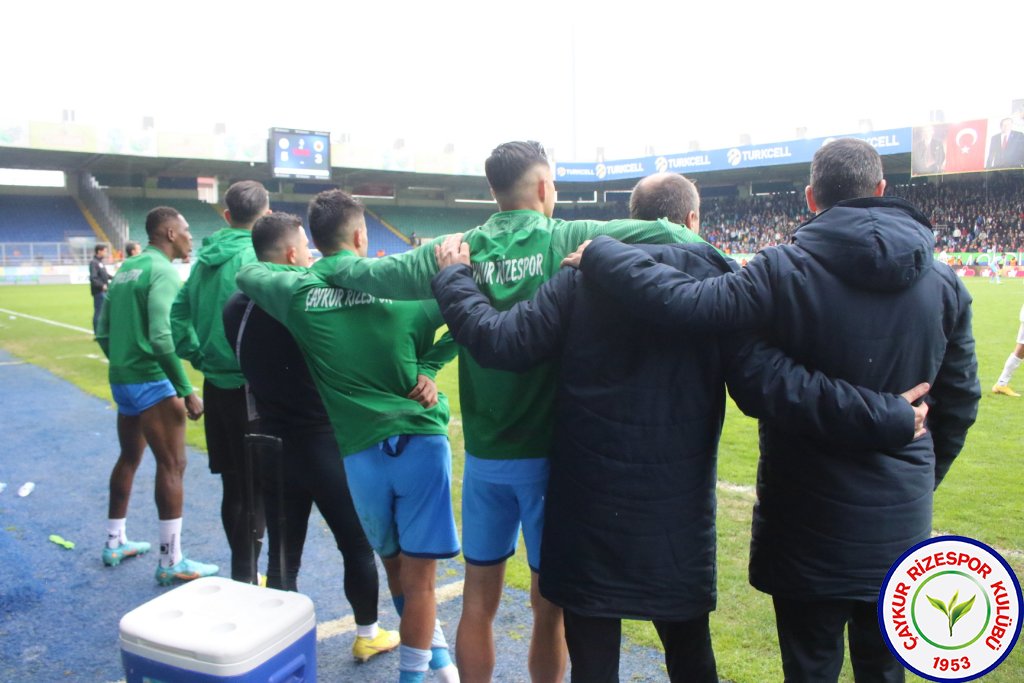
[217, 630]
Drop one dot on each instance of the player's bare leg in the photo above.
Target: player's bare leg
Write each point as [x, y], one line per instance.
[474, 640]
[548, 651]
[122, 477]
[164, 428]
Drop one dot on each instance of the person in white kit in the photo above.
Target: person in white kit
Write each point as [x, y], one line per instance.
[1013, 362]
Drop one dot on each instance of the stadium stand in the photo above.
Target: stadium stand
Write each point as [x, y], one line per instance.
[380, 237]
[34, 218]
[967, 216]
[428, 223]
[43, 229]
[970, 215]
[203, 219]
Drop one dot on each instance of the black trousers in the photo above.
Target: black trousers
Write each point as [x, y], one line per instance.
[811, 641]
[226, 422]
[594, 644]
[97, 306]
[313, 473]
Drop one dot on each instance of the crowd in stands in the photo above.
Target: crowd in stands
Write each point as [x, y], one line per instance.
[973, 218]
[968, 217]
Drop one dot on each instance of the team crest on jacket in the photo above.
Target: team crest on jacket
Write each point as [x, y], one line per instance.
[950, 609]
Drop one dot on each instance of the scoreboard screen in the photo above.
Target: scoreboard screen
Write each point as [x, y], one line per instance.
[299, 153]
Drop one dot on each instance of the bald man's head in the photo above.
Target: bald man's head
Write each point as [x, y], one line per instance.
[665, 195]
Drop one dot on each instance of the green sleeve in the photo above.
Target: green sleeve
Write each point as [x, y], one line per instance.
[175, 371]
[271, 289]
[162, 291]
[103, 328]
[183, 332]
[440, 354]
[572, 234]
[405, 276]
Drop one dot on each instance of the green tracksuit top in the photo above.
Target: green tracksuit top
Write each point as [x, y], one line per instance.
[505, 415]
[364, 353]
[134, 329]
[196, 321]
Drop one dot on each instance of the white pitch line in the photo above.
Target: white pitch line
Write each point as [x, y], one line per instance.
[48, 322]
[337, 627]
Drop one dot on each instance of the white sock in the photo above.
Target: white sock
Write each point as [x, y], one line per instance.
[116, 535]
[438, 638]
[170, 542]
[368, 631]
[1012, 363]
[411, 659]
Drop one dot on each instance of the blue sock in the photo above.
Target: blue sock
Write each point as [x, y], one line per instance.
[412, 676]
[399, 603]
[439, 657]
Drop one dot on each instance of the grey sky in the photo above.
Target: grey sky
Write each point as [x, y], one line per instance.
[478, 73]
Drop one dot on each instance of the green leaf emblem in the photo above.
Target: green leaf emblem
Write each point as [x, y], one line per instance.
[954, 612]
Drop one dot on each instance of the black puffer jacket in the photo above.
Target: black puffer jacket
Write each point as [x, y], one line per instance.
[630, 512]
[857, 296]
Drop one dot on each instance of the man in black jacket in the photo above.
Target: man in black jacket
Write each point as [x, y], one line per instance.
[99, 278]
[288, 406]
[859, 296]
[630, 510]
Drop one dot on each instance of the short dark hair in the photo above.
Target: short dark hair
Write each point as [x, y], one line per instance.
[98, 248]
[510, 160]
[668, 196]
[157, 217]
[270, 232]
[132, 248]
[846, 168]
[330, 218]
[247, 200]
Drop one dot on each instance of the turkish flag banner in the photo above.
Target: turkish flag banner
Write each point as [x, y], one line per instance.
[965, 146]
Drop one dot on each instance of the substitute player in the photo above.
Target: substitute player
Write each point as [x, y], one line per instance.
[373, 362]
[198, 330]
[507, 416]
[309, 469]
[148, 384]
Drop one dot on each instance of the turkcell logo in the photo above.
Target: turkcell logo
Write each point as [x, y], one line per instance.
[676, 164]
[950, 609]
[586, 171]
[734, 156]
[600, 171]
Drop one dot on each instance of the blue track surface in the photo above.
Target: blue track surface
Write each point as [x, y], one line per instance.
[59, 609]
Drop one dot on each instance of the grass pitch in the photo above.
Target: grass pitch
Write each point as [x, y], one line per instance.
[980, 498]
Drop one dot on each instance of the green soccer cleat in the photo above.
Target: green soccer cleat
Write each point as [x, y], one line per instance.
[113, 556]
[186, 570]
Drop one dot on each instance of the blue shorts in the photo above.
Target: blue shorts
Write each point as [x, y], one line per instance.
[499, 496]
[402, 491]
[134, 399]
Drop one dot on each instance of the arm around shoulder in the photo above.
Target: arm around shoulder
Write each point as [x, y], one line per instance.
[663, 295]
[516, 339]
